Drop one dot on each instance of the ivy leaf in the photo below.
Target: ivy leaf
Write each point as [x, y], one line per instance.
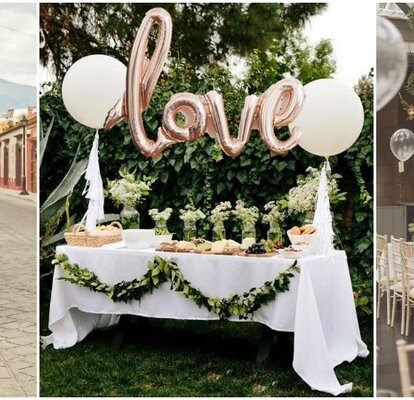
[234, 304]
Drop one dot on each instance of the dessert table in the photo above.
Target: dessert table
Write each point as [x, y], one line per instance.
[319, 306]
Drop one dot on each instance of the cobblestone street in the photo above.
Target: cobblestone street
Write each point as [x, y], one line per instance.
[18, 300]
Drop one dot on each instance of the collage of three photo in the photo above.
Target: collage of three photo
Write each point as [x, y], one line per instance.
[206, 199]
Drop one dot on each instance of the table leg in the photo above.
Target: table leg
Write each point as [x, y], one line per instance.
[284, 346]
[265, 345]
[120, 330]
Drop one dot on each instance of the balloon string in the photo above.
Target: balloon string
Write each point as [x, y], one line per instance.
[327, 165]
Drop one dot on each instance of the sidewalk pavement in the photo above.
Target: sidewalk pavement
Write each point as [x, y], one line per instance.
[18, 297]
[32, 197]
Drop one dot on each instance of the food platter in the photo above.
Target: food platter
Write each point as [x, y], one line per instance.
[262, 249]
[264, 255]
[240, 253]
[292, 254]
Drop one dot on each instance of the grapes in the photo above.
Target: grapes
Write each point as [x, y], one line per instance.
[278, 245]
[256, 248]
[265, 246]
[268, 245]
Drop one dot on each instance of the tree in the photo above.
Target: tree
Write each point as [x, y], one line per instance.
[202, 33]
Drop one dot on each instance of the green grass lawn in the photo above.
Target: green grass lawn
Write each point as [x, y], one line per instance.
[184, 358]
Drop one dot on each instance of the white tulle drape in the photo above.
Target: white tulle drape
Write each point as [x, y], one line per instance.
[94, 188]
[323, 217]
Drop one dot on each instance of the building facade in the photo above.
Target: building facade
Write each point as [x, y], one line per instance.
[12, 146]
[32, 152]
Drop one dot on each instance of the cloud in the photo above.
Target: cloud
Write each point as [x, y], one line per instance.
[18, 43]
[351, 29]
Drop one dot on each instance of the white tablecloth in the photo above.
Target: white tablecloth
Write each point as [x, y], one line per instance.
[319, 307]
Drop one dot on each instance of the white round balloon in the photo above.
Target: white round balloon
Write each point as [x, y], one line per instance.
[391, 61]
[91, 87]
[402, 144]
[331, 119]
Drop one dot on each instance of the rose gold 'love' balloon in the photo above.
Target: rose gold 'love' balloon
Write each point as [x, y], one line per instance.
[277, 107]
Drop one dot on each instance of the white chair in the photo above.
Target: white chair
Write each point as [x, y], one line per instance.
[407, 255]
[384, 278]
[399, 285]
[402, 351]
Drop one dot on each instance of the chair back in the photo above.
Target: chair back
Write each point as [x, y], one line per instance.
[382, 257]
[397, 262]
[403, 361]
[407, 255]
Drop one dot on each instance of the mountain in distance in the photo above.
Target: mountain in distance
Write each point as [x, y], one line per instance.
[15, 95]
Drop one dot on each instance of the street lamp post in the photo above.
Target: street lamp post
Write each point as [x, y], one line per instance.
[24, 192]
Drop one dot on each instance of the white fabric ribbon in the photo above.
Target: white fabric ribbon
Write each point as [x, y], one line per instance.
[323, 217]
[94, 188]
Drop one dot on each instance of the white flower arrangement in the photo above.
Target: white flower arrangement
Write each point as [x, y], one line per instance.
[160, 218]
[274, 214]
[302, 198]
[246, 214]
[411, 229]
[190, 214]
[129, 191]
[220, 213]
[160, 215]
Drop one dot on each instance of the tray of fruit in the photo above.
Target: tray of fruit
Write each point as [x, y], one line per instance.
[264, 248]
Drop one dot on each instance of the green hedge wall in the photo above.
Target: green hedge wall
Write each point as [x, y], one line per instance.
[199, 170]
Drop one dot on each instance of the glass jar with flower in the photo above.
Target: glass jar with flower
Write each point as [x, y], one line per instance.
[128, 192]
[218, 216]
[274, 217]
[302, 198]
[190, 215]
[160, 218]
[248, 217]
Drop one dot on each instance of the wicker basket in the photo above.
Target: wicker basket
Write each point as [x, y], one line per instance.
[80, 236]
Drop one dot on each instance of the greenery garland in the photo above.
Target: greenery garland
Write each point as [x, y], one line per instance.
[161, 270]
